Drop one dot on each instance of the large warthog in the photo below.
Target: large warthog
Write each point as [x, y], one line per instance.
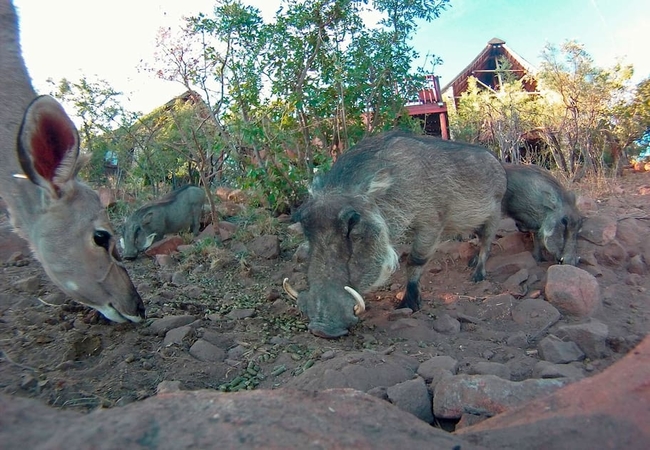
[179, 210]
[376, 192]
[62, 219]
[539, 204]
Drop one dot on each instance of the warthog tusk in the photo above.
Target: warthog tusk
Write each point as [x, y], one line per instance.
[360, 306]
[291, 292]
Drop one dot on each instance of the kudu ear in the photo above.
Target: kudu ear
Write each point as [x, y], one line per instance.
[48, 145]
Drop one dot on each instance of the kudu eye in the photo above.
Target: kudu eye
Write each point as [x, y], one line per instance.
[102, 238]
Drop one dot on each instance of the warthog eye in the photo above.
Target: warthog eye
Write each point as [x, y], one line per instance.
[102, 238]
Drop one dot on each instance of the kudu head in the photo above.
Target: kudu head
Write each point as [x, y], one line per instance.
[69, 230]
[62, 219]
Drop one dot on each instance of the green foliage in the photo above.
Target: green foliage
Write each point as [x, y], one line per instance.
[587, 117]
[289, 95]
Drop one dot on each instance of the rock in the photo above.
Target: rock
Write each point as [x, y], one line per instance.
[162, 326]
[243, 313]
[493, 307]
[267, 246]
[412, 396]
[637, 265]
[165, 261]
[207, 233]
[205, 351]
[227, 230]
[590, 337]
[400, 313]
[179, 278]
[295, 228]
[503, 266]
[167, 387]
[512, 243]
[513, 282]
[29, 285]
[413, 329]
[586, 204]
[11, 243]
[545, 369]
[301, 254]
[519, 339]
[629, 233]
[489, 368]
[599, 229]
[487, 395]
[260, 419]
[555, 350]
[572, 290]
[612, 254]
[446, 324]
[166, 246]
[429, 369]
[535, 315]
[607, 411]
[177, 335]
[362, 371]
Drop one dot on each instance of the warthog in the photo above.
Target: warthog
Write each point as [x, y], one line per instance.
[539, 204]
[176, 211]
[61, 218]
[375, 192]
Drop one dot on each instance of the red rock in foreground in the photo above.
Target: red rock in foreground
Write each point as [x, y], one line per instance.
[265, 419]
[610, 410]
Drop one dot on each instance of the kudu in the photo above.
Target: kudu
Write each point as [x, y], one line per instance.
[61, 218]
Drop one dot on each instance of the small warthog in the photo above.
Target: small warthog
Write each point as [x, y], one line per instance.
[179, 210]
[539, 204]
[63, 219]
[374, 193]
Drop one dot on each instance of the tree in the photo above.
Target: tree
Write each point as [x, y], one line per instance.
[588, 95]
[287, 96]
[98, 108]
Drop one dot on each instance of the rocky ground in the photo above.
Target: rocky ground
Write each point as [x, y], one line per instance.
[218, 320]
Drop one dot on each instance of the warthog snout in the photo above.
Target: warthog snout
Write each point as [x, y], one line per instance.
[323, 320]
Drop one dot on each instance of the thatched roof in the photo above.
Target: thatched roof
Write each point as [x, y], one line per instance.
[485, 69]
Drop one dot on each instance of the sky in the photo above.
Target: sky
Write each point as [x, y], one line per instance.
[108, 40]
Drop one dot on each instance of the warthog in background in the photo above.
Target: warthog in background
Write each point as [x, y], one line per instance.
[179, 210]
[539, 204]
[374, 193]
[62, 219]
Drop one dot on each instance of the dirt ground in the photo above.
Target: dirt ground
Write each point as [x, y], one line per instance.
[67, 356]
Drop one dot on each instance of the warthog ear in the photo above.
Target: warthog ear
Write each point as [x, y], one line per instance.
[549, 200]
[147, 218]
[380, 183]
[349, 217]
[48, 145]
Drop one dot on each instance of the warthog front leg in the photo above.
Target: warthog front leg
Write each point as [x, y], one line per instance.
[424, 245]
[486, 234]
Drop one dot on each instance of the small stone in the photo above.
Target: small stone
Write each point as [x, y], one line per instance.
[237, 314]
[555, 350]
[446, 324]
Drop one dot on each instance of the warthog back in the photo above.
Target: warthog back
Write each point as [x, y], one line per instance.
[374, 193]
[179, 210]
